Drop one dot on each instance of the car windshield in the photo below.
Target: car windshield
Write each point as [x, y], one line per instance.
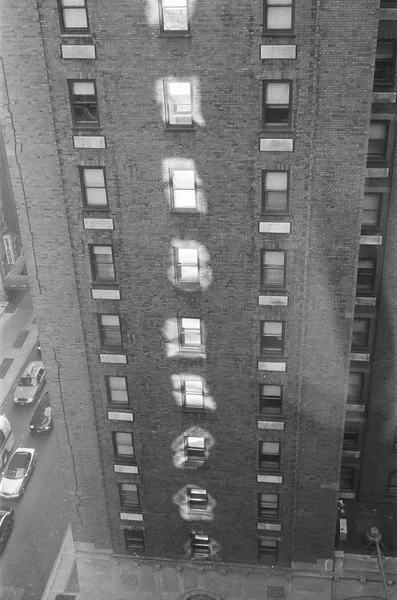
[25, 381]
[18, 465]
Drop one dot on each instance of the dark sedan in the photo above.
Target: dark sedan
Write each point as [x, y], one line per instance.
[6, 525]
[42, 416]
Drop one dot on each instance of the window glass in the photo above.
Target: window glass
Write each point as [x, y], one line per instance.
[94, 187]
[117, 387]
[183, 189]
[179, 103]
[175, 15]
[371, 210]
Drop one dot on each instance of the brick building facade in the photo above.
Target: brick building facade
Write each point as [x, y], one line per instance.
[192, 180]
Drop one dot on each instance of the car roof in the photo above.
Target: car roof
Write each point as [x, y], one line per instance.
[33, 368]
[24, 451]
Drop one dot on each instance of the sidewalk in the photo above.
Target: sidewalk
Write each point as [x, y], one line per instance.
[18, 335]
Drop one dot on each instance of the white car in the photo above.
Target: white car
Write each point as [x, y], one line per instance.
[17, 473]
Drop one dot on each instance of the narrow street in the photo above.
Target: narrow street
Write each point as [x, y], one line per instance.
[41, 515]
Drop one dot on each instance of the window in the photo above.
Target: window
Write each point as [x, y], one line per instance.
[273, 268]
[268, 507]
[351, 436]
[129, 497]
[276, 104]
[93, 187]
[193, 394]
[388, 3]
[270, 399]
[74, 16]
[197, 499]
[347, 477]
[278, 15]
[117, 389]
[174, 16]
[123, 445]
[384, 64]
[200, 545]
[178, 104]
[269, 456]
[102, 265]
[187, 265]
[267, 551]
[190, 334]
[110, 330]
[84, 103]
[394, 440]
[274, 191]
[134, 540]
[377, 143]
[392, 484]
[195, 449]
[272, 337]
[183, 189]
[371, 211]
[360, 333]
[355, 387]
[365, 272]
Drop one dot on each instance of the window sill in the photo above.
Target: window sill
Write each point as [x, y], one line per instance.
[94, 209]
[277, 33]
[269, 471]
[86, 128]
[189, 287]
[124, 461]
[78, 34]
[187, 35]
[273, 129]
[176, 128]
[274, 290]
[184, 211]
[112, 350]
[195, 464]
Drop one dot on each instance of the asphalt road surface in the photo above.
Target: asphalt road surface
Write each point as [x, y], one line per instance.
[41, 515]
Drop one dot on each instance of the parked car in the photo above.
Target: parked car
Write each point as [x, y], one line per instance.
[17, 473]
[42, 416]
[31, 383]
[7, 517]
[6, 440]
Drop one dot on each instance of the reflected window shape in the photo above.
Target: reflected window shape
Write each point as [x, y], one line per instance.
[129, 496]
[123, 445]
[102, 263]
[278, 15]
[193, 394]
[117, 389]
[355, 387]
[377, 143]
[275, 191]
[197, 500]
[273, 268]
[347, 479]
[74, 16]
[268, 507]
[195, 449]
[267, 551]
[134, 541]
[174, 17]
[384, 64]
[93, 186]
[110, 330]
[366, 270]
[269, 456]
[351, 436]
[178, 104]
[276, 104]
[200, 545]
[392, 484]
[183, 189]
[270, 399]
[360, 333]
[272, 339]
[371, 210]
[190, 336]
[83, 100]
[187, 265]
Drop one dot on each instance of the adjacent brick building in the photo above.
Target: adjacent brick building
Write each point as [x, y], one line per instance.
[203, 191]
